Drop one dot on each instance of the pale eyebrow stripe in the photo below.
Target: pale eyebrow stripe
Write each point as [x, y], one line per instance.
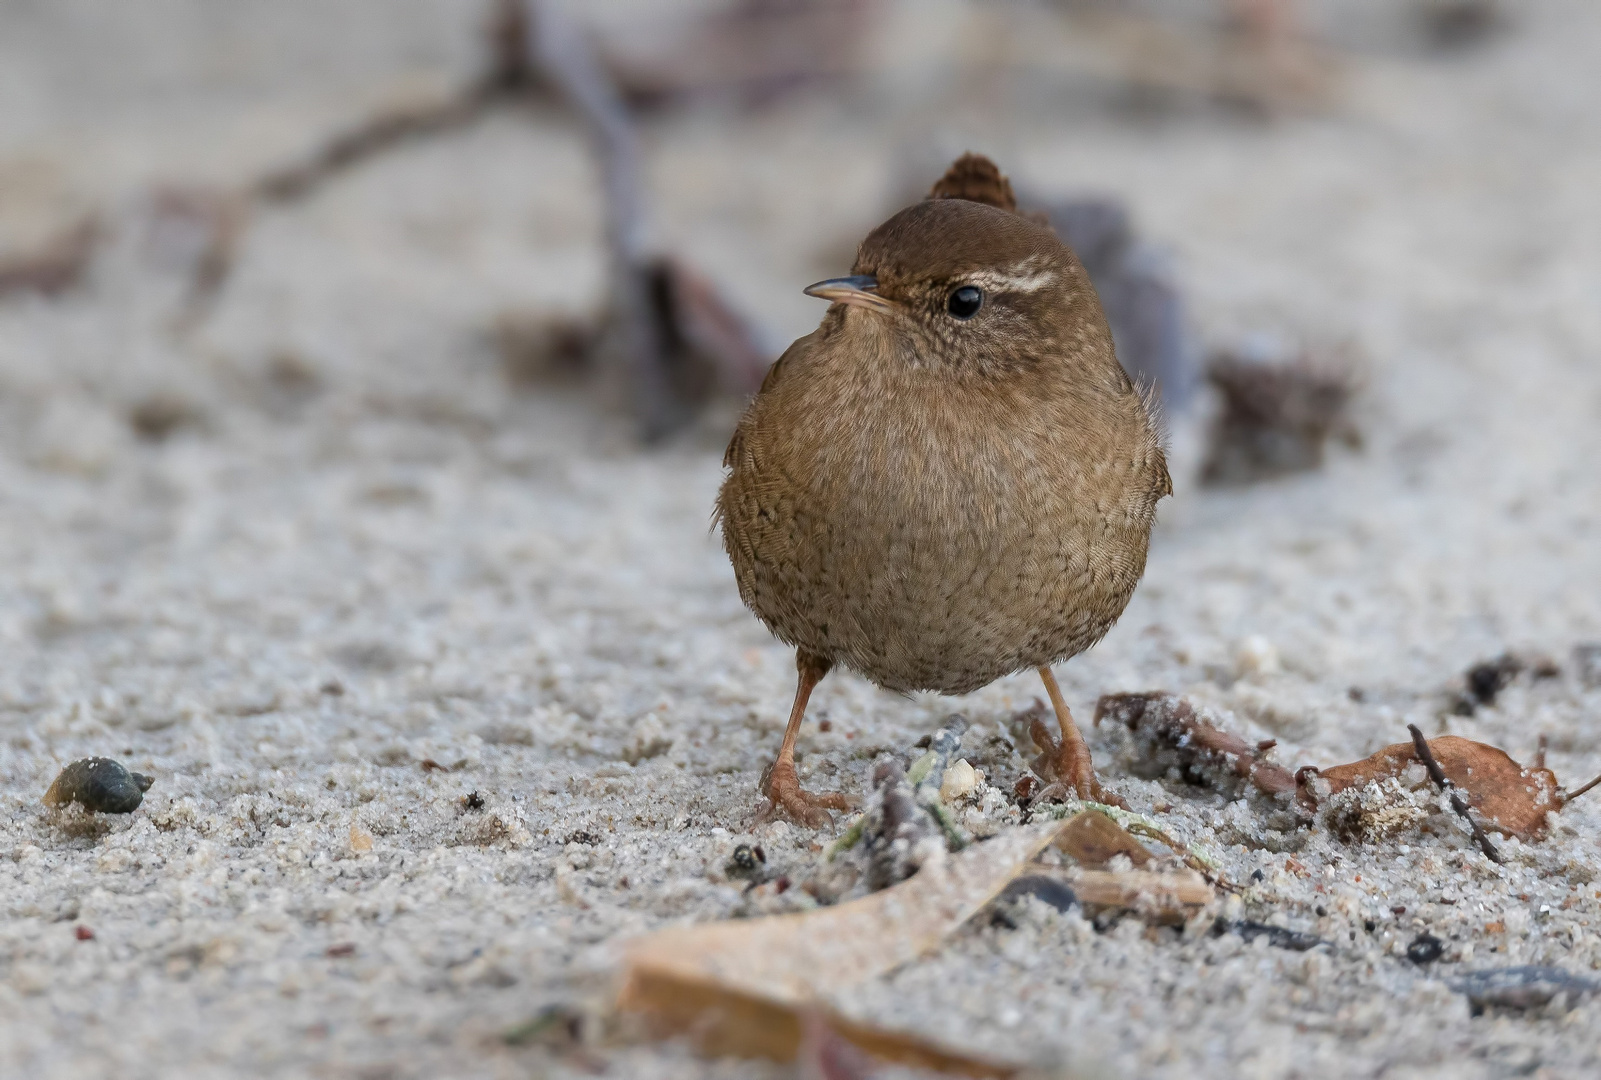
[1020, 280]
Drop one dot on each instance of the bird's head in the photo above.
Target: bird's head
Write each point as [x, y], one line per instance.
[972, 287]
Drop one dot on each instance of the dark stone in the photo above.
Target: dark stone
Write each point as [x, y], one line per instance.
[1425, 949]
[1521, 988]
[1486, 680]
[742, 863]
[1278, 936]
[1053, 891]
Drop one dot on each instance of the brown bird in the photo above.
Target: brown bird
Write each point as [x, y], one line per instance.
[952, 478]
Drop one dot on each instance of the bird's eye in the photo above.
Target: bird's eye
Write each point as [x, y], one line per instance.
[965, 302]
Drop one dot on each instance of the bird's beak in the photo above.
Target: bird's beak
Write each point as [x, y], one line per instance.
[861, 291]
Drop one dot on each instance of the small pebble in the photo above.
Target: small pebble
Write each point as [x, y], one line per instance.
[1425, 949]
[1486, 680]
[83, 933]
[99, 784]
[743, 863]
[1256, 656]
[959, 780]
[1519, 988]
[1053, 891]
[1278, 936]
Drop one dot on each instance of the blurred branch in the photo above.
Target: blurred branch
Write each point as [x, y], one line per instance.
[564, 55]
[506, 73]
[370, 138]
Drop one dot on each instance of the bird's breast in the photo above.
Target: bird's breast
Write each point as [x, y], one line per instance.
[938, 540]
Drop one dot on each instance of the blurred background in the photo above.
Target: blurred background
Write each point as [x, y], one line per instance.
[316, 204]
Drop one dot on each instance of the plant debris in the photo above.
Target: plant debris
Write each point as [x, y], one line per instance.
[1513, 799]
[1053, 891]
[1425, 754]
[99, 784]
[907, 824]
[1371, 799]
[741, 986]
[1174, 737]
[744, 986]
[555, 1025]
[1278, 413]
[1094, 839]
[1168, 897]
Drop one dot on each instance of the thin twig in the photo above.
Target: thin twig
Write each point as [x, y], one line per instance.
[1443, 782]
[1570, 796]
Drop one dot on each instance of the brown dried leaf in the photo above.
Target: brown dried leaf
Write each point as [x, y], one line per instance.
[1512, 799]
[752, 987]
[1095, 839]
[744, 987]
[726, 1021]
[798, 957]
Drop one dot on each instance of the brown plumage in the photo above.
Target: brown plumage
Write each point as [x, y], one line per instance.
[939, 487]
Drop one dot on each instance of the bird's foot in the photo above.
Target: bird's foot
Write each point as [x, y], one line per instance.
[784, 794]
[1073, 773]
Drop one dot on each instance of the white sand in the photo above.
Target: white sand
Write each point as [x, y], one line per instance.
[500, 584]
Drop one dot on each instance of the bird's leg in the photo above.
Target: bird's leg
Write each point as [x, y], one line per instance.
[779, 782]
[1075, 772]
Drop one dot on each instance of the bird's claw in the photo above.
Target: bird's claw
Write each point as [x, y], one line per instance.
[784, 794]
[1075, 778]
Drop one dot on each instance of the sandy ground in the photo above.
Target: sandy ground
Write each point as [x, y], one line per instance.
[360, 551]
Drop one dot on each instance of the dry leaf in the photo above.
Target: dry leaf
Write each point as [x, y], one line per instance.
[1512, 799]
[750, 987]
[797, 957]
[1094, 839]
[726, 1021]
